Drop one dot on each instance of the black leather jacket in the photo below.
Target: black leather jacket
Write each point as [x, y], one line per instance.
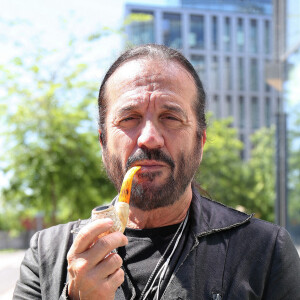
[227, 255]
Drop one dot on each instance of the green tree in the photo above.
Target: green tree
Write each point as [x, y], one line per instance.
[221, 172]
[245, 185]
[52, 155]
[294, 172]
[260, 173]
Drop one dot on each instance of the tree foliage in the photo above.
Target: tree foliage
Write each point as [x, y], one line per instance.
[245, 185]
[260, 174]
[294, 172]
[52, 155]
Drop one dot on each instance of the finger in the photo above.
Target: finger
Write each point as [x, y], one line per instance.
[115, 280]
[104, 246]
[89, 234]
[109, 265]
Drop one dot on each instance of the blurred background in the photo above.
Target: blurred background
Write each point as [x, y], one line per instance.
[53, 55]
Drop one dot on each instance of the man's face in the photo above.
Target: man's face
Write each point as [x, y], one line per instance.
[150, 121]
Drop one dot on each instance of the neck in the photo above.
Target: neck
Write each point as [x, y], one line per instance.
[164, 216]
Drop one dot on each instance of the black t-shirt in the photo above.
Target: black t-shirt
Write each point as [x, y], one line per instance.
[145, 248]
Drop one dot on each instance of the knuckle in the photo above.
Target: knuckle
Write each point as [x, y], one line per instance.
[84, 234]
[70, 256]
[120, 236]
[117, 260]
[120, 276]
[79, 266]
[105, 242]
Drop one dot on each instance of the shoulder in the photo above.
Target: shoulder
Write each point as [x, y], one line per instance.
[53, 238]
[254, 236]
[212, 216]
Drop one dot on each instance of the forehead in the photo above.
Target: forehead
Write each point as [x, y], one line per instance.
[147, 76]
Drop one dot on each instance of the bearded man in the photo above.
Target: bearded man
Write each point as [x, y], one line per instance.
[177, 244]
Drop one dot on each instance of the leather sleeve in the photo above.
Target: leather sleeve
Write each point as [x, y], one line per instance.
[284, 274]
[28, 285]
[43, 272]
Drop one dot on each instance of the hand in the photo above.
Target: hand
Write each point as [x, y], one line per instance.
[95, 272]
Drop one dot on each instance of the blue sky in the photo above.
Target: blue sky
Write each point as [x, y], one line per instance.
[27, 25]
[51, 22]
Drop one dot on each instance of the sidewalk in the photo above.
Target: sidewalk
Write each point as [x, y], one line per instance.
[9, 272]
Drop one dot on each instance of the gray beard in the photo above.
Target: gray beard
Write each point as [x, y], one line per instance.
[145, 195]
[148, 197]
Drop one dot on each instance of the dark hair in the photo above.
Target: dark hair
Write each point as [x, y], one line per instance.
[160, 52]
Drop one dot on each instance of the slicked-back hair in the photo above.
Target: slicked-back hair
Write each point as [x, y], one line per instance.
[157, 52]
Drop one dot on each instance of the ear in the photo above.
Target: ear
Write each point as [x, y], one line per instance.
[101, 145]
[100, 138]
[203, 140]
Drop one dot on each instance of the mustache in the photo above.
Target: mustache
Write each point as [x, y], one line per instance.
[150, 154]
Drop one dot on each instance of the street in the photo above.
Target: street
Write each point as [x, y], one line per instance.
[9, 272]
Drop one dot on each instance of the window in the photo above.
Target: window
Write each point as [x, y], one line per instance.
[227, 34]
[240, 36]
[267, 37]
[196, 35]
[216, 107]
[241, 71]
[254, 113]
[198, 61]
[267, 112]
[214, 33]
[172, 30]
[267, 86]
[227, 75]
[241, 112]
[142, 32]
[253, 74]
[215, 82]
[229, 106]
[253, 36]
[242, 153]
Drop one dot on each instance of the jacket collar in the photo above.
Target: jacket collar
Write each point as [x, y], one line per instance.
[209, 216]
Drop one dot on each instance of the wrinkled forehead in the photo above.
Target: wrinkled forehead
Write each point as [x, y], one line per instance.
[148, 74]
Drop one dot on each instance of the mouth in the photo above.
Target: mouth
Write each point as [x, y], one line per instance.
[149, 165]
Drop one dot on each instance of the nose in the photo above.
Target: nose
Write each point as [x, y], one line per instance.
[150, 136]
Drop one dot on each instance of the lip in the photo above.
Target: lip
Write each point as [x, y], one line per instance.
[150, 165]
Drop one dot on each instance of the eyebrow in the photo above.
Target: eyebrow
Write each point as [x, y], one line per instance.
[175, 109]
[126, 109]
[131, 107]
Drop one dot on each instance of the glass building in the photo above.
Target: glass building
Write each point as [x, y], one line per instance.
[247, 53]
[229, 43]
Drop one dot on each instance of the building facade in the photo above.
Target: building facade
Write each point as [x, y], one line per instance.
[230, 45]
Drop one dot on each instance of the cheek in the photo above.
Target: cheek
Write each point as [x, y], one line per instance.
[120, 143]
[179, 142]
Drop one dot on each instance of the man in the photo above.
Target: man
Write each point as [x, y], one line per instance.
[177, 244]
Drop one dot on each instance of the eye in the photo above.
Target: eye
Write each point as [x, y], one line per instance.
[129, 121]
[169, 117]
[170, 120]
